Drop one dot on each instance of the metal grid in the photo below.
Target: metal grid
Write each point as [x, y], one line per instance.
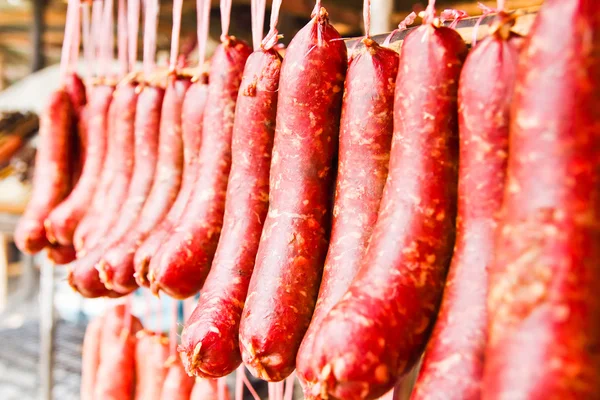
[19, 361]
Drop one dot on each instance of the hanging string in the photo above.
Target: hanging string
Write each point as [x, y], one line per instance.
[272, 391]
[86, 35]
[367, 17]
[258, 21]
[122, 38]
[222, 388]
[273, 36]
[177, 7]
[316, 13]
[289, 387]
[225, 18]
[76, 32]
[455, 15]
[107, 34]
[239, 383]
[150, 25]
[279, 390]
[429, 14]
[410, 18]
[317, 8]
[173, 330]
[202, 18]
[68, 40]
[241, 372]
[133, 27]
[486, 11]
[96, 31]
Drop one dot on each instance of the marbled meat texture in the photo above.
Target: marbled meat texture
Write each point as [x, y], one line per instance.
[51, 180]
[284, 286]
[378, 330]
[366, 129]
[125, 101]
[210, 338]
[191, 130]
[117, 263]
[62, 221]
[452, 368]
[544, 308]
[182, 263]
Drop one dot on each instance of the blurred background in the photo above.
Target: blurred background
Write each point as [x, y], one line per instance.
[31, 31]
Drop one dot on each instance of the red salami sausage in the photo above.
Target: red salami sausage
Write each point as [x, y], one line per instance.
[91, 357]
[84, 276]
[182, 263]
[125, 100]
[284, 285]
[380, 326]
[178, 385]
[366, 130]
[543, 305]
[117, 264]
[116, 378]
[210, 337]
[147, 123]
[88, 223]
[151, 352]
[191, 130]
[51, 180]
[62, 221]
[452, 367]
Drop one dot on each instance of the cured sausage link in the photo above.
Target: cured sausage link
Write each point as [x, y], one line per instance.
[543, 305]
[147, 122]
[191, 131]
[182, 263]
[223, 295]
[62, 221]
[452, 367]
[117, 264]
[84, 276]
[151, 353]
[125, 101]
[51, 181]
[284, 285]
[115, 379]
[378, 330]
[366, 129]
[94, 211]
[90, 359]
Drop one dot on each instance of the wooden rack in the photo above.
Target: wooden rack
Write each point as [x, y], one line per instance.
[465, 27]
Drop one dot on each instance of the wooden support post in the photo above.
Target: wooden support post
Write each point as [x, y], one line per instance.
[37, 35]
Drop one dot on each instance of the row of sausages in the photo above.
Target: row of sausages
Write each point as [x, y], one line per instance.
[123, 361]
[325, 200]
